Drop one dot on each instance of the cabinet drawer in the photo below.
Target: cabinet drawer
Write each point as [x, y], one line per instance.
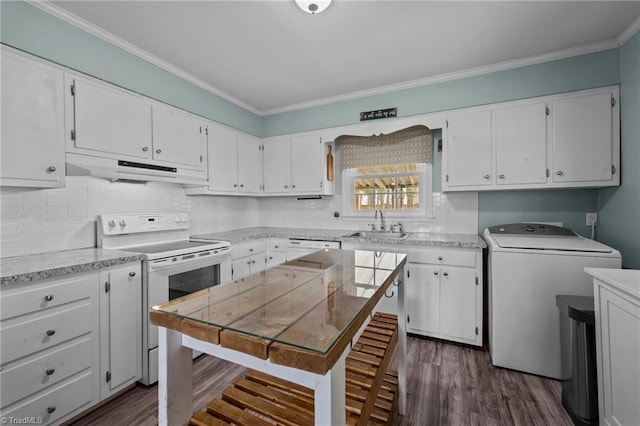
[36, 297]
[278, 244]
[37, 374]
[55, 403]
[248, 248]
[444, 257]
[44, 331]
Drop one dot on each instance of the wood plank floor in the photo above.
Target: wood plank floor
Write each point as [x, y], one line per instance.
[448, 384]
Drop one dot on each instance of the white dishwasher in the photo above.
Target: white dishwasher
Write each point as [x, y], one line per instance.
[298, 247]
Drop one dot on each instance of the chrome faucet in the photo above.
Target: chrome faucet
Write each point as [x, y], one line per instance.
[382, 225]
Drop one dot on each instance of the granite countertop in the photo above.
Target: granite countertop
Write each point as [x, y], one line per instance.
[427, 239]
[23, 269]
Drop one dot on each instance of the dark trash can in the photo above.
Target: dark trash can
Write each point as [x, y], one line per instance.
[578, 353]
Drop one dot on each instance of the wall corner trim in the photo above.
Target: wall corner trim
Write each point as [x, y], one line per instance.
[629, 32]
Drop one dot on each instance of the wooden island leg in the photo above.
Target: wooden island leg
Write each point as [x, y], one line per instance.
[175, 372]
[402, 345]
[330, 395]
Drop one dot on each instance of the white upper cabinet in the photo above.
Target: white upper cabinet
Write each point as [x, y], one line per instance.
[277, 173]
[249, 164]
[234, 161]
[32, 123]
[569, 140]
[179, 137]
[110, 120]
[583, 131]
[521, 144]
[307, 164]
[223, 158]
[467, 157]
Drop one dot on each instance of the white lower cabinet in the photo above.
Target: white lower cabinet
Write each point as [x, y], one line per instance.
[248, 258]
[120, 328]
[444, 294]
[276, 251]
[58, 335]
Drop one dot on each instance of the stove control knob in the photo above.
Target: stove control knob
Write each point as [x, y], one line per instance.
[176, 219]
[123, 223]
[183, 219]
[112, 223]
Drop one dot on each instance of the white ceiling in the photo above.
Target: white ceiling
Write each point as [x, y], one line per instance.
[269, 56]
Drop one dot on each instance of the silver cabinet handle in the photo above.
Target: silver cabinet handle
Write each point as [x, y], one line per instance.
[439, 257]
[560, 173]
[145, 148]
[132, 274]
[501, 176]
[435, 272]
[158, 151]
[48, 298]
[235, 185]
[242, 185]
[286, 186]
[52, 168]
[293, 186]
[253, 261]
[248, 262]
[446, 274]
[51, 332]
[51, 409]
[49, 371]
[487, 176]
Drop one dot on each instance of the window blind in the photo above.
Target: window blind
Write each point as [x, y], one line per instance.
[410, 145]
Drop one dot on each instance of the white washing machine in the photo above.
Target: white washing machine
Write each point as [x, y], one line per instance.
[529, 264]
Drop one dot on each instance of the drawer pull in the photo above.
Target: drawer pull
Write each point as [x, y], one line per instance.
[446, 274]
[132, 274]
[251, 250]
[49, 371]
[48, 298]
[51, 409]
[435, 272]
[439, 257]
[51, 332]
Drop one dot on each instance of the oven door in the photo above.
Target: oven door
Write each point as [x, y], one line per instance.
[176, 276]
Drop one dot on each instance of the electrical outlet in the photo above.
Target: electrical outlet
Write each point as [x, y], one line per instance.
[592, 219]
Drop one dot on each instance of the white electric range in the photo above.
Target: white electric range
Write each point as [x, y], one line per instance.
[174, 265]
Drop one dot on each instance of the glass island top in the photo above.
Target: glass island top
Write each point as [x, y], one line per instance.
[307, 303]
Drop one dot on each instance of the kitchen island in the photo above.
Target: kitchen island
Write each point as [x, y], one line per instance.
[295, 321]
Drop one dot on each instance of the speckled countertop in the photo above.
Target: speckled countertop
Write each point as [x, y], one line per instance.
[427, 239]
[22, 269]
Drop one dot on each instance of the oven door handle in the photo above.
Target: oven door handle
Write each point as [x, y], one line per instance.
[213, 259]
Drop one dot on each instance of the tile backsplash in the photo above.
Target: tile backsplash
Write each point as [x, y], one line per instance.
[38, 221]
[46, 220]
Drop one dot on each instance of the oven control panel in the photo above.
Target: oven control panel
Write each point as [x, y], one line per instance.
[119, 224]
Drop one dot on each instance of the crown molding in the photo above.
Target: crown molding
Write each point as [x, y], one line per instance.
[471, 72]
[105, 35]
[629, 32]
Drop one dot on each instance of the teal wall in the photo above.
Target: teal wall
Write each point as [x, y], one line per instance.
[30, 29]
[619, 208]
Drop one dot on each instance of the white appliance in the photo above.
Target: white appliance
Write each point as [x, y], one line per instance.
[297, 247]
[173, 267]
[529, 264]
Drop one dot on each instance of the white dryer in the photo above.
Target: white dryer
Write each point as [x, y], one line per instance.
[529, 264]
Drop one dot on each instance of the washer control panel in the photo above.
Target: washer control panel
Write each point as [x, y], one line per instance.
[530, 229]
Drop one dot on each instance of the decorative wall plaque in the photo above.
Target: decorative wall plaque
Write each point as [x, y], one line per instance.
[379, 113]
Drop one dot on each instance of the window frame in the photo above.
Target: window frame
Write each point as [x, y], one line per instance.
[425, 192]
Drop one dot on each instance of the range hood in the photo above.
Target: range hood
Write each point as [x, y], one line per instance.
[126, 170]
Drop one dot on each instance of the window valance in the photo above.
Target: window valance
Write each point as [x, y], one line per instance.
[410, 145]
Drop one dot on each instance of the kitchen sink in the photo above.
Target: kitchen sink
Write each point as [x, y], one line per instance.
[377, 234]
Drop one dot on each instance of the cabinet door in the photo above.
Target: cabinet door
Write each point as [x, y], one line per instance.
[468, 149]
[249, 163]
[458, 302]
[222, 159]
[306, 164]
[241, 268]
[111, 121]
[423, 298]
[277, 165]
[582, 138]
[32, 123]
[521, 144]
[276, 258]
[121, 328]
[178, 137]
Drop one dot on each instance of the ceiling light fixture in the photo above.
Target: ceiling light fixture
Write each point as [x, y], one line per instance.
[313, 7]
